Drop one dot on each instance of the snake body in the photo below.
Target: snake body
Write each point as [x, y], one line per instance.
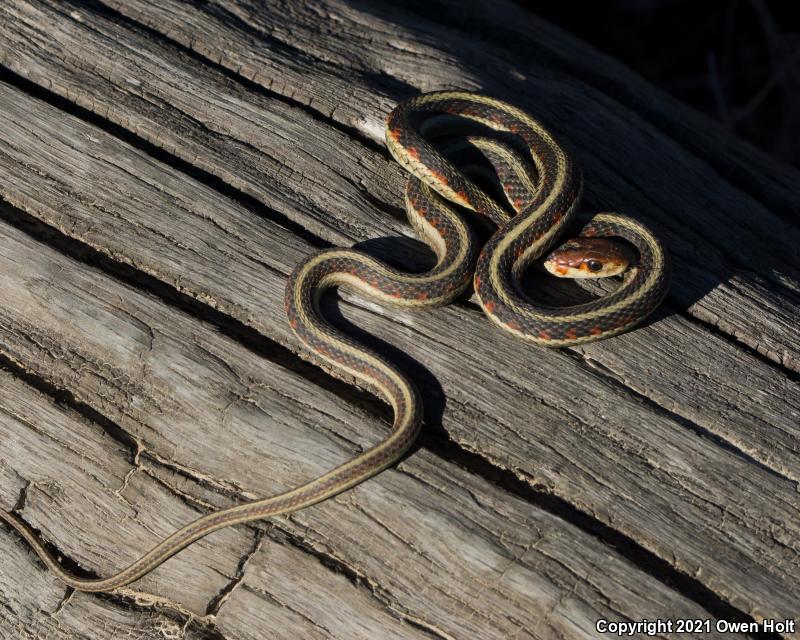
[542, 184]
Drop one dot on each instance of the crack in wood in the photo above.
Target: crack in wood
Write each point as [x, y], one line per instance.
[518, 483]
[513, 481]
[23, 497]
[249, 202]
[779, 362]
[206, 307]
[110, 12]
[68, 593]
[613, 378]
[218, 601]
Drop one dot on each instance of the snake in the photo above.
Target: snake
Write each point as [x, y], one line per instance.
[538, 197]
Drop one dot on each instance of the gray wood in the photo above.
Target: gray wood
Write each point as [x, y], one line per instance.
[709, 230]
[678, 435]
[710, 256]
[159, 403]
[426, 549]
[345, 211]
[42, 609]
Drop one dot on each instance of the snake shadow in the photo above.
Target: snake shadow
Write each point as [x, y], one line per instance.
[636, 149]
[409, 254]
[412, 256]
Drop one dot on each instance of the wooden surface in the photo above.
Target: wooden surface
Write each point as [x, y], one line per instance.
[164, 167]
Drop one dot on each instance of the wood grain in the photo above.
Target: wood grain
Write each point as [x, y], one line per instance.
[348, 212]
[631, 165]
[41, 609]
[424, 545]
[219, 170]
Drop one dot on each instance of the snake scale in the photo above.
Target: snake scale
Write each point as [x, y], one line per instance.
[541, 184]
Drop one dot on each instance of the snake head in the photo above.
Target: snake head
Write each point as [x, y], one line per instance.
[588, 258]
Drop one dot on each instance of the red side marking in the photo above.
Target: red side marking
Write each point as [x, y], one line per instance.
[514, 128]
[558, 215]
[439, 176]
[489, 306]
[462, 195]
[477, 282]
[571, 333]
[395, 134]
[423, 295]
[595, 331]
[589, 232]
[519, 251]
[293, 322]
[413, 152]
[518, 203]
[545, 335]
[397, 294]
[538, 236]
[514, 325]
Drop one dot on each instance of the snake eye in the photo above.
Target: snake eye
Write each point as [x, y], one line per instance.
[594, 265]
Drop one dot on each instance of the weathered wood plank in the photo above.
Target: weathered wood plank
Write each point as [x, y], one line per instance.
[596, 453]
[106, 506]
[34, 606]
[710, 225]
[763, 423]
[510, 26]
[62, 460]
[426, 545]
[744, 306]
[225, 136]
[343, 210]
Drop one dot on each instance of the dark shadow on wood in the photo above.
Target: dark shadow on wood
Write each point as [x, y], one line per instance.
[684, 290]
[433, 396]
[247, 201]
[404, 251]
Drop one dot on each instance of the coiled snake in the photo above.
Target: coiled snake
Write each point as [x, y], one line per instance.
[542, 186]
